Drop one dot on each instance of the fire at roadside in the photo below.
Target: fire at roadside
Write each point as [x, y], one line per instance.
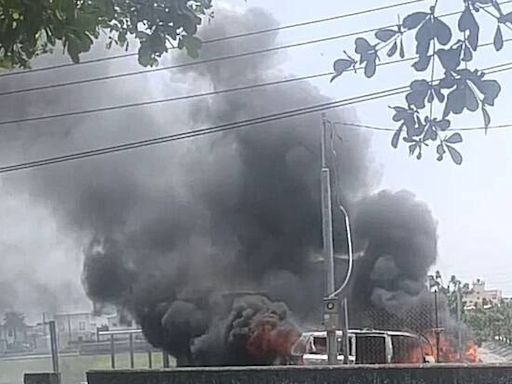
[170, 230]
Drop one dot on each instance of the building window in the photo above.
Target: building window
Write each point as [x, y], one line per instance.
[82, 325]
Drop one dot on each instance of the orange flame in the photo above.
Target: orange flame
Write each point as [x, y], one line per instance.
[271, 339]
[448, 350]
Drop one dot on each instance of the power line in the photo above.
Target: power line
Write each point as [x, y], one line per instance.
[226, 38]
[390, 129]
[231, 37]
[182, 65]
[198, 95]
[205, 131]
[206, 61]
[223, 127]
[180, 98]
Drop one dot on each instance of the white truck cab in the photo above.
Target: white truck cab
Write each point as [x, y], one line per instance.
[365, 347]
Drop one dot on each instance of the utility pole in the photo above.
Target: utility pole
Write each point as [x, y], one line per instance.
[345, 340]
[437, 330]
[54, 346]
[328, 248]
[459, 320]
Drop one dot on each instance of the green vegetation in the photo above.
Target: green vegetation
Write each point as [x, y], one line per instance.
[73, 368]
[29, 28]
[487, 321]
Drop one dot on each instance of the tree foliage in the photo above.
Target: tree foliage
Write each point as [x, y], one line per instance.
[459, 90]
[29, 28]
[487, 320]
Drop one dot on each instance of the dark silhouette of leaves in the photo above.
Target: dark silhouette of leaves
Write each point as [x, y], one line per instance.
[442, 125]
[402, 49]
[507, 18]
[487, 117]
[454, 138]
[440, 152]
[368, 56]
[441, 31]
[498, 39]
[459, 99]
[415, 19]
[385, 35]
[419, 92]
[460, 89]
[340, 66]
[422, 63]
[454, 154]
[396, 136]
[450, 58]
[392, 51]
[467, 23]
[490, 89]
[424, 38]
[467, 56]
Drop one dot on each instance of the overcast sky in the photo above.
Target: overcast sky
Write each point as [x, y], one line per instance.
[471, 202]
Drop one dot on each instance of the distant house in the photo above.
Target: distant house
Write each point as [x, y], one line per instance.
[76, 327]
[479, 296]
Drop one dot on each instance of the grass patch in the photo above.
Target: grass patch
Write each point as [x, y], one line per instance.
[73, 368]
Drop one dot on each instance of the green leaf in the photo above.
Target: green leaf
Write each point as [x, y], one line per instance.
[192, 45]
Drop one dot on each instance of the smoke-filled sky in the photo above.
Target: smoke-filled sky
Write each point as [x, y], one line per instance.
[49, 214]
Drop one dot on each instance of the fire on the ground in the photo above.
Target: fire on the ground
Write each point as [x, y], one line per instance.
[383, 347]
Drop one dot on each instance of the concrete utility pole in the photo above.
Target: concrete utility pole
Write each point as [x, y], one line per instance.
[459, 321]
[54, 346]
[328, 246]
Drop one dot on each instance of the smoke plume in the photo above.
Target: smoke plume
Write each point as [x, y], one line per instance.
[175, 230]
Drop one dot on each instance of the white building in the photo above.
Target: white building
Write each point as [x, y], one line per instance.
[73, 328]
[479, 296]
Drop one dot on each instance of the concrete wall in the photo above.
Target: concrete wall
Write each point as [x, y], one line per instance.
[439, 374]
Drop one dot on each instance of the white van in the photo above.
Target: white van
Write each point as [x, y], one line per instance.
[365, 347]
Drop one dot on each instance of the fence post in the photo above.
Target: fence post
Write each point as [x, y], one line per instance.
[132, 361]
[112, 352]
[165, 359]
[150, 359]
[54, 346]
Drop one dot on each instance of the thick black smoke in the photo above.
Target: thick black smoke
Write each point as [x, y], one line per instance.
[176, 229]
[401, 246]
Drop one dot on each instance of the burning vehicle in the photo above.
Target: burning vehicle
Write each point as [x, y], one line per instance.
[166, 231]
[365, 347]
